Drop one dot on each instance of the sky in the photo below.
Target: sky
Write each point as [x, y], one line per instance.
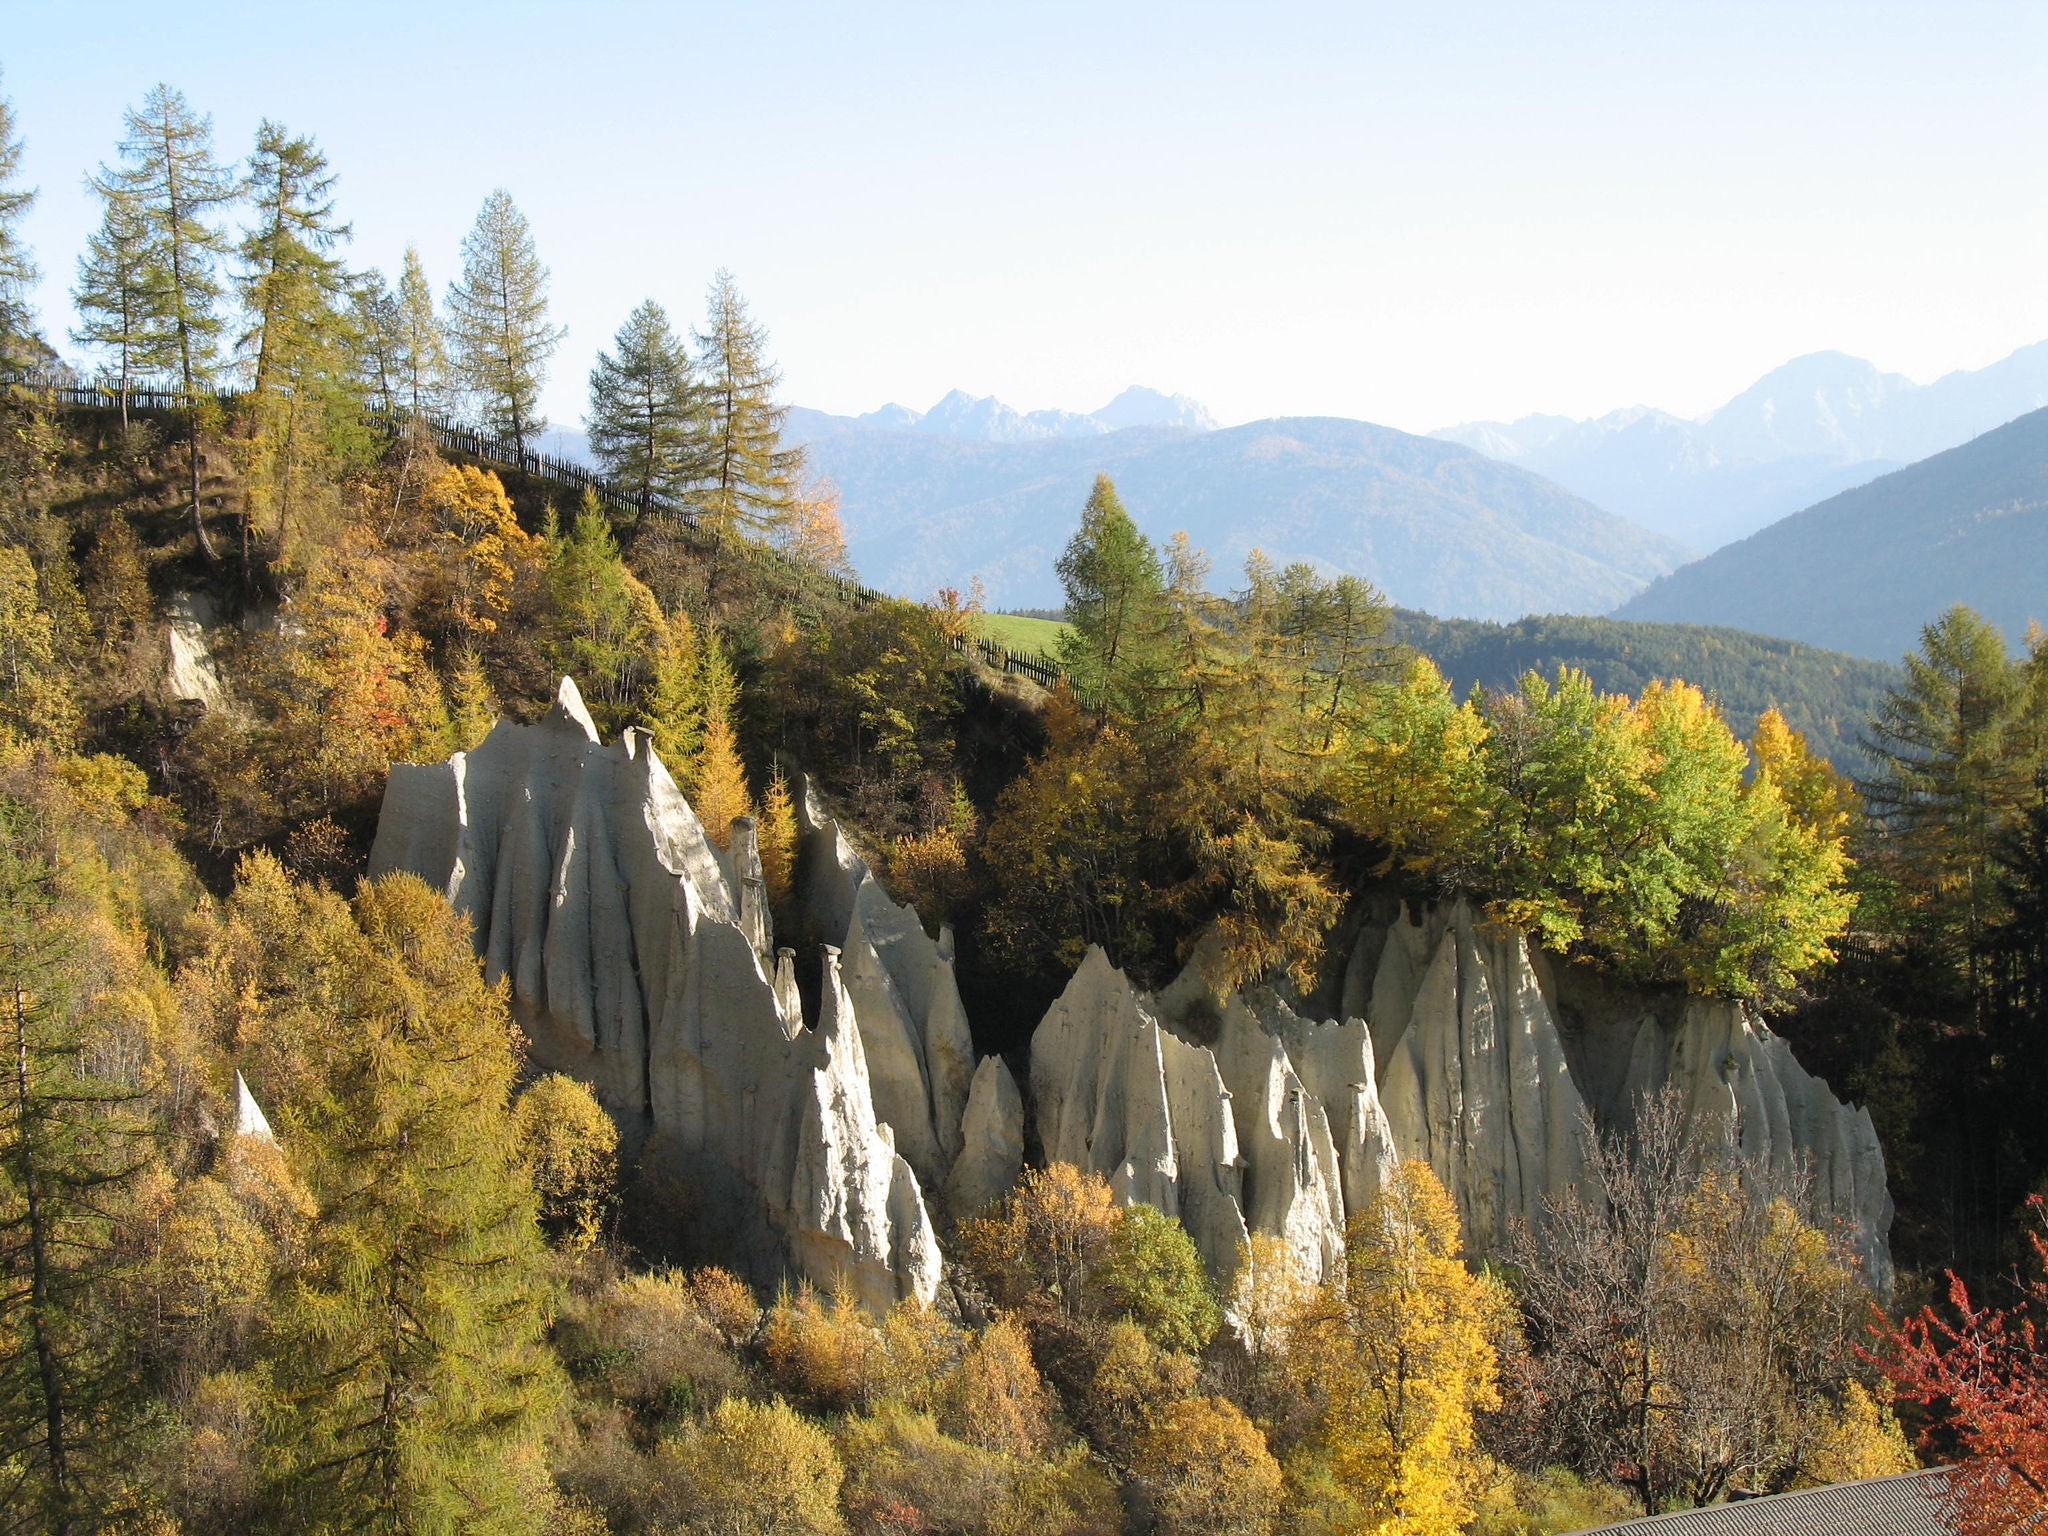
[1412, 214]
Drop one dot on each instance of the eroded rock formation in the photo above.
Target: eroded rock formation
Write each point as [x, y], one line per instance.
[644, 961]
[1239, 1115]
[641, 960]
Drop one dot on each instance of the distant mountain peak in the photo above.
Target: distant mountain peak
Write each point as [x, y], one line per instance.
[985, 419]
[1142, 407]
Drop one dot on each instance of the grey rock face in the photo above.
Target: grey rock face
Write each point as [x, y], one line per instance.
[991, 1140]
[636, 965]
[1728, 1064]
[1280, 1124]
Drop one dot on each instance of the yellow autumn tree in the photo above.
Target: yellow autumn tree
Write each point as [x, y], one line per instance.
[1400, 1344]
[717, 781]
[1416, 781]
[1819, 796]
[777, 834]
[479, 545]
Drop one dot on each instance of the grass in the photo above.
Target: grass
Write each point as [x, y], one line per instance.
[1027, 637]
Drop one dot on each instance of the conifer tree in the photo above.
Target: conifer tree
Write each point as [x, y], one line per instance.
[749, 478]
[718, 778]
[646, 423]
[674, 708]
[1115, 606]
[422, 345]
[177, 189]
[378, 326]
[607, 623]
[1954, 746]
[291, 284]
[18, 272]
[777, 836]
[301, 345]
[71, 1141]
[413, 1381]
[115, 297]
[498, 321]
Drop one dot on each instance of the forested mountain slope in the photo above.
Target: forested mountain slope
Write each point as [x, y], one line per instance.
[1435, 525]
[1826, 696]
[1863, 571]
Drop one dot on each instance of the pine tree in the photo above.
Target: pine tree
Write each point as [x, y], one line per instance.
[177, 189]
[116, 298]
[498, 321]
[412, 1376]
[1115, 606]
[749, 478]
[422, 344]
[607, 624]
[18, 272]
[71, 1141]
[646, 423]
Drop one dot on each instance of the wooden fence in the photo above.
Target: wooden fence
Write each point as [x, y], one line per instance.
[160, 395]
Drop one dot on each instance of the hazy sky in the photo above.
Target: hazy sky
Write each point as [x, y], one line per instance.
[1416, 214]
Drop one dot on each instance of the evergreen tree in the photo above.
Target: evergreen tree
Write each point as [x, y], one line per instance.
[646, 425]
[749, 479]
[70, 1143]
[18, 273]
[778, 839]
[1954, 749]
[177, 189]
[115, 297]
[1115, 606]
[422, 345]
[413, 1381]
[498, 321]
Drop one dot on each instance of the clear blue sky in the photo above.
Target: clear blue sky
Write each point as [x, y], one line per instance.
[1416, 214]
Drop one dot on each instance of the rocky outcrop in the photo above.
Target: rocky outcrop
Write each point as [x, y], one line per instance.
[640, 959]
[250, 1120]
[1473, 1076]
[1239, 1115]
[1727, 1064]
[905, 998]
[190, 675]
[991, 1140]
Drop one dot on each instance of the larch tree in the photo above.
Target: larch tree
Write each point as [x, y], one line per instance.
[498, 321]
[72, 1139]
[1402, 1344]
[718, 777]
[301, 343]
[378, 324]
[412, 1375]
[422, 345]
[116, 296]
[18, 272]
[178, 189]
[647, 427]
[1954, 748]
[749, 479]
[1116, 606]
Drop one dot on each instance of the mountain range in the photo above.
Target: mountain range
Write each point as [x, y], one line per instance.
[1434, 524]
[1863, 570]
[1819, 425]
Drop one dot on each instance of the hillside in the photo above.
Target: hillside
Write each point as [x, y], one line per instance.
[1435, 525]
[1805, 431]
[1825, 695]
[1864, 570]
